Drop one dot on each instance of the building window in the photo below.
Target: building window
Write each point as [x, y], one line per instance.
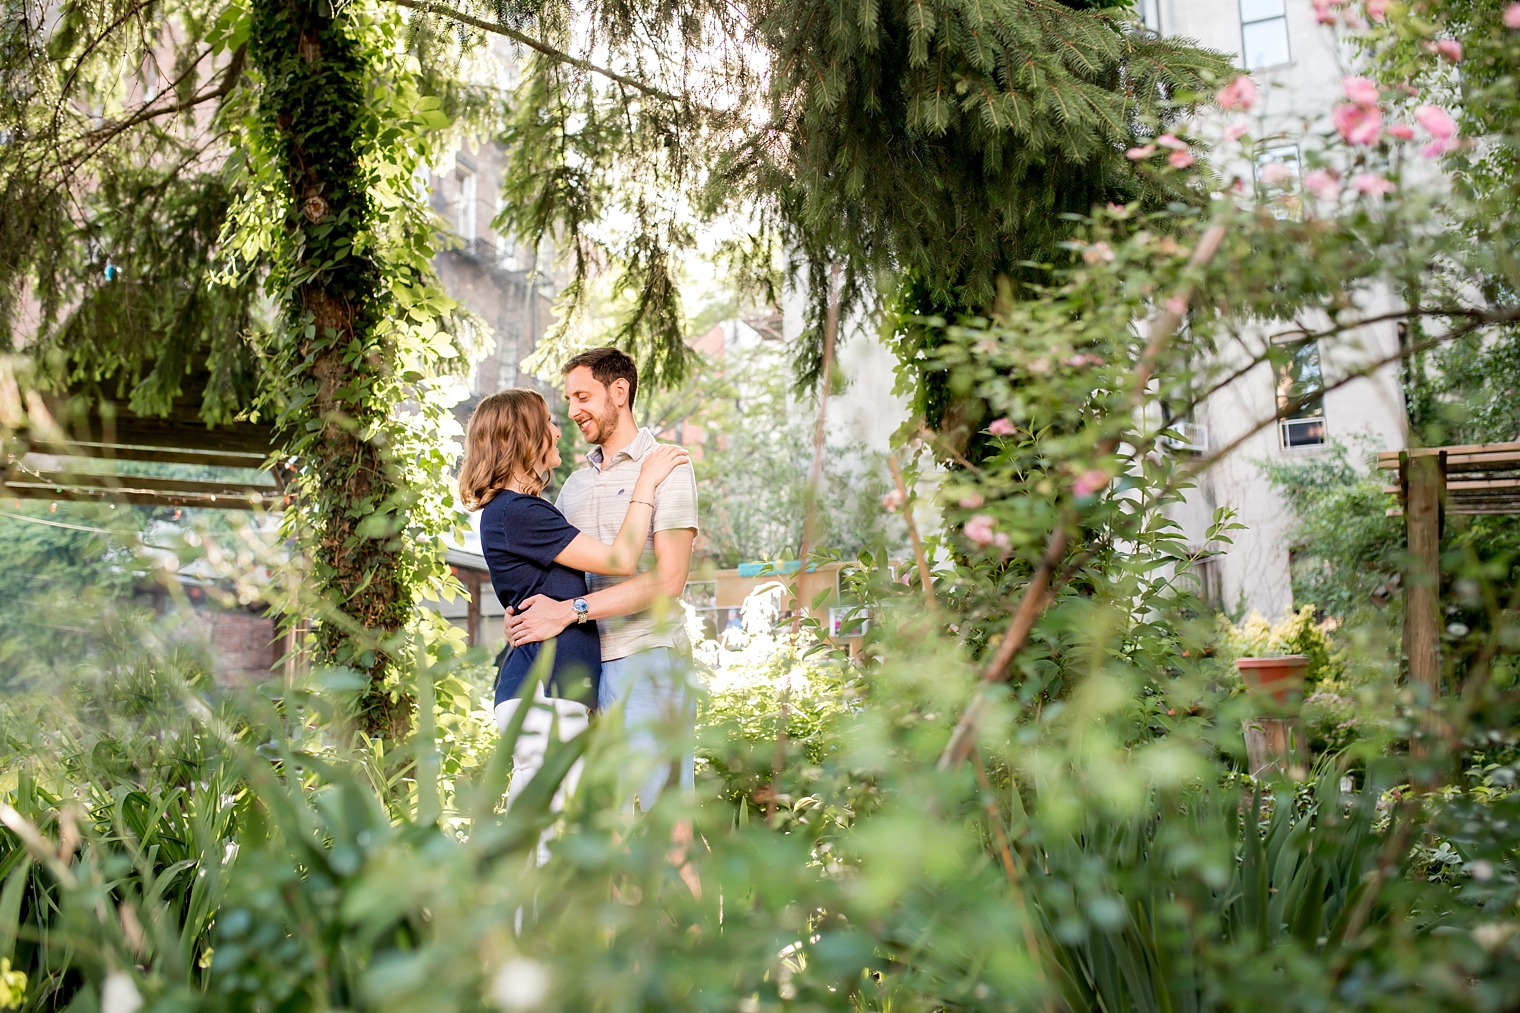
[1209, 573]
[464, 206]
[1301, 398]
[506, 248]
[1264, 33]
[1287, 175]
[1150, 14]
[1277, 173]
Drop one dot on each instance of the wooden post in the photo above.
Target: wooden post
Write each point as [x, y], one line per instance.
[472, 619]
[1422, 512]
[1275, 744]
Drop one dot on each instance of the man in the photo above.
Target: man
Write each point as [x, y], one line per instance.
[644, 645]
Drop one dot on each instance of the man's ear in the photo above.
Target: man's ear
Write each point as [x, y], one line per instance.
[619, 390]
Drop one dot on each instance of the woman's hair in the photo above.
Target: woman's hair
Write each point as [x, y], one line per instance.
[508, 436]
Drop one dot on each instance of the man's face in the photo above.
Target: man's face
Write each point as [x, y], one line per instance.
[593, 407]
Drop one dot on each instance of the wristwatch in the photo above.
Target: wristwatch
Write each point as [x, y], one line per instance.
[582, 610]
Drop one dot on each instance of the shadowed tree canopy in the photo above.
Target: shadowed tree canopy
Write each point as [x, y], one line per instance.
[929, 148]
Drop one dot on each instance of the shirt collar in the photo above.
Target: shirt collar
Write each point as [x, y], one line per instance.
[640, 445]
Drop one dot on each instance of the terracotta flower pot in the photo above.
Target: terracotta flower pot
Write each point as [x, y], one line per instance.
[1275, 677]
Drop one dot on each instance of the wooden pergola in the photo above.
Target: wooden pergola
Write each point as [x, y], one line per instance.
[1434, 482]
[64, 461]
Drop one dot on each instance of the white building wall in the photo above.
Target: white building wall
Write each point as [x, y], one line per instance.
[867, 412]
[1294, 110]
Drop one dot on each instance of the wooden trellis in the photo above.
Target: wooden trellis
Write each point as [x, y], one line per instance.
[1434, 482]
[63, 460]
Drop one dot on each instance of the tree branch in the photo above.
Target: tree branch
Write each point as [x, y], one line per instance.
[1476, 321]
[428, 7]
[103, 133]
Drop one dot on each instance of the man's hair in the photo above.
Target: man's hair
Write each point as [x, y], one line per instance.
[608, 364]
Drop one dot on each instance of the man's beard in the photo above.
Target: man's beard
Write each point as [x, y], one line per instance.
[603, 426]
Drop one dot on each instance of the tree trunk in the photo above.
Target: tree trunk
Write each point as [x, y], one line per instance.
[311, 105]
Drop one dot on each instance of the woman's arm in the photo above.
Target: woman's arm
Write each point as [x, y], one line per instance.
[621, 558]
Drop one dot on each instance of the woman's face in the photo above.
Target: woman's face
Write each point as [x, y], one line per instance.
[551, 455]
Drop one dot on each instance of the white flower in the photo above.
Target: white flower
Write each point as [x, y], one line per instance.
[119, 994]
[520, 984]
[1493, 935]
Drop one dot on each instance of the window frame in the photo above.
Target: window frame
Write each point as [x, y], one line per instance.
[1290, 385]
[1245, 50]
[466, 201]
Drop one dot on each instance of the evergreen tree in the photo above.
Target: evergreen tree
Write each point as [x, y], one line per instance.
[934, 147]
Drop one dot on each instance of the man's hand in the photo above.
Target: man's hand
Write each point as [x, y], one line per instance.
[537, 619]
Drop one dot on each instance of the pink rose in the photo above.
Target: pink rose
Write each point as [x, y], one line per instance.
[1238, 94]
[1361, 91]
[1441, 127]
[1449, 48]
[1322, 184]
[1402, 131]
[1180, 160]
[1171, 141]
[979, 529]
[1276, 173]
[1235, 131]
[1438, 121]
[1002, 427]
[1512, 15]
[1371, 184]
[1322, 12]
[1098, 251]
[892, 500]
[1137, 154]
[1377, 10]
[972, 500]
[1358, 124]
[1089, 482]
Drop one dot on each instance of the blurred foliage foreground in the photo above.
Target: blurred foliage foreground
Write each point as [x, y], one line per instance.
[171, 846]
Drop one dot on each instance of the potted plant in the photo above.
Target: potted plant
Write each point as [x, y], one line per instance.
[1275, 742]
[1281, 678]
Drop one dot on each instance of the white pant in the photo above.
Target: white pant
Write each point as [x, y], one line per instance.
[533, 744]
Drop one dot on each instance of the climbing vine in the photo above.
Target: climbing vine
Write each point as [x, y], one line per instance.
[363, 366]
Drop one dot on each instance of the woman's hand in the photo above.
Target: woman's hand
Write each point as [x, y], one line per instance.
[659, 463]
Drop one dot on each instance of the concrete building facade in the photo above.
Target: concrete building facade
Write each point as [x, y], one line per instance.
[1298, 64]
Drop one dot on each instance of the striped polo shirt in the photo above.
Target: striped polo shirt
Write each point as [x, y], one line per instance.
[595, 499]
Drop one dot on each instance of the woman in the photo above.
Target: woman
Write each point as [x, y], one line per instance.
[512, 444]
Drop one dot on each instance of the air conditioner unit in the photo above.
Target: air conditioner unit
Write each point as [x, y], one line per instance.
[1191, 436]
[1303, 433]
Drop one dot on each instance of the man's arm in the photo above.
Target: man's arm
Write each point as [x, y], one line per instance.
[542, 618]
